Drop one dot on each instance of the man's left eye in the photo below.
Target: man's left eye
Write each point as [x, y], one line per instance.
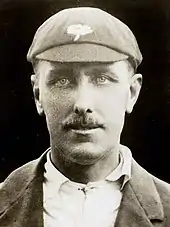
[101, 80]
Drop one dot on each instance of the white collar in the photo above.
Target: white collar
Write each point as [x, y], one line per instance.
[123, 169]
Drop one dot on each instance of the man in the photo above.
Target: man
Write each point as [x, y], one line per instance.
[85, 80]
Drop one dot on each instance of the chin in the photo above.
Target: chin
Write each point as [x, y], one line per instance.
[85, 153]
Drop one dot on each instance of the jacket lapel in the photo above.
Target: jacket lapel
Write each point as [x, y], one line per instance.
[23, 205]
[141, 202]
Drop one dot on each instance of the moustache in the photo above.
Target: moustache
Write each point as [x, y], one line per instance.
[82, 122]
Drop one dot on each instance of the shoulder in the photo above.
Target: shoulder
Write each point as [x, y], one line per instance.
[163, 188]
[29, 169]
[149, 184]
[19, 175]
[142, 175]
[20, 180]
[23, 175]
[15, 184]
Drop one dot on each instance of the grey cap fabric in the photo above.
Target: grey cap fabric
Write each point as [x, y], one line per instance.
[84, 34]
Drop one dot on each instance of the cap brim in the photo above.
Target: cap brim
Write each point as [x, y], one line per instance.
[81, 52]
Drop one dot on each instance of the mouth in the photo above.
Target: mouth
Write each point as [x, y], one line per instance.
[84, 131]
[84, 127]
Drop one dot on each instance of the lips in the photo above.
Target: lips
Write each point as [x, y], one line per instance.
[83, 127]
[84, 132]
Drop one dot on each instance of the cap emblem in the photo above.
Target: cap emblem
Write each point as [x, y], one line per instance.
[79, 30]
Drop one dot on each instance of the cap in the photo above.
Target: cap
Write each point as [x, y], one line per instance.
[84, 34]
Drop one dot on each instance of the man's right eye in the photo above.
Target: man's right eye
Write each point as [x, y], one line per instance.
[62, 82]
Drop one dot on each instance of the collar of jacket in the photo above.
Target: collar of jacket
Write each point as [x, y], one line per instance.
[21, 198]
[141, 204]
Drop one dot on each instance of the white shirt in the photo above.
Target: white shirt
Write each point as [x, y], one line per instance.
[96, 204]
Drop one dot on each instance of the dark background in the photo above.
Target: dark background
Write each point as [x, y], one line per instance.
[23, 133]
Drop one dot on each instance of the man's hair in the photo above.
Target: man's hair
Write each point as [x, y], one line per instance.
[35, 63]
[131, 66]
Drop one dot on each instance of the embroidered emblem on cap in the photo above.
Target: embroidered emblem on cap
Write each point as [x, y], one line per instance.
[79, 30]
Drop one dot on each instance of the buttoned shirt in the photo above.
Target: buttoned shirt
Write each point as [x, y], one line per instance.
[95, 204]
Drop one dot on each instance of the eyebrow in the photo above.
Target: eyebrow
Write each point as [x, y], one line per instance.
[69, 71]
[59, 70]
[107, 72]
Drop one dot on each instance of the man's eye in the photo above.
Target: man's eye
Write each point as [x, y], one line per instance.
[62, 82]
[101, 80]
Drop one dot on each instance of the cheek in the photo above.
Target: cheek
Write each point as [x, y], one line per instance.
[56, 105]
[112, 103]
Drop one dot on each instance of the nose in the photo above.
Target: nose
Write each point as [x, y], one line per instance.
[81, 110]
[83, 102]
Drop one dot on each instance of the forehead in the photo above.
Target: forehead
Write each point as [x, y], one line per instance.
[118, 68]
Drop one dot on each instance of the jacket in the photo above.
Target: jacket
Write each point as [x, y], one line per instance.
[145, 201]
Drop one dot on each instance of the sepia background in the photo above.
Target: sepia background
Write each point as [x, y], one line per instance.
[23, 133]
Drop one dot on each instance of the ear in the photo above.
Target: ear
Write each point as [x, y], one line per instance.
[135, 86]
[35, 86]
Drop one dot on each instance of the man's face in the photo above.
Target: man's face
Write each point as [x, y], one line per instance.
[84, 105]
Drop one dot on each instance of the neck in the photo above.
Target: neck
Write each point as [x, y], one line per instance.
[86, 173]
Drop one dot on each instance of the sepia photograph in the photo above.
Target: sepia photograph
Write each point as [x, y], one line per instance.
[85, 113]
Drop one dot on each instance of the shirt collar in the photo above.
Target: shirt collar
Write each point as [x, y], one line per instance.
[124, 167]
[52, 175]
